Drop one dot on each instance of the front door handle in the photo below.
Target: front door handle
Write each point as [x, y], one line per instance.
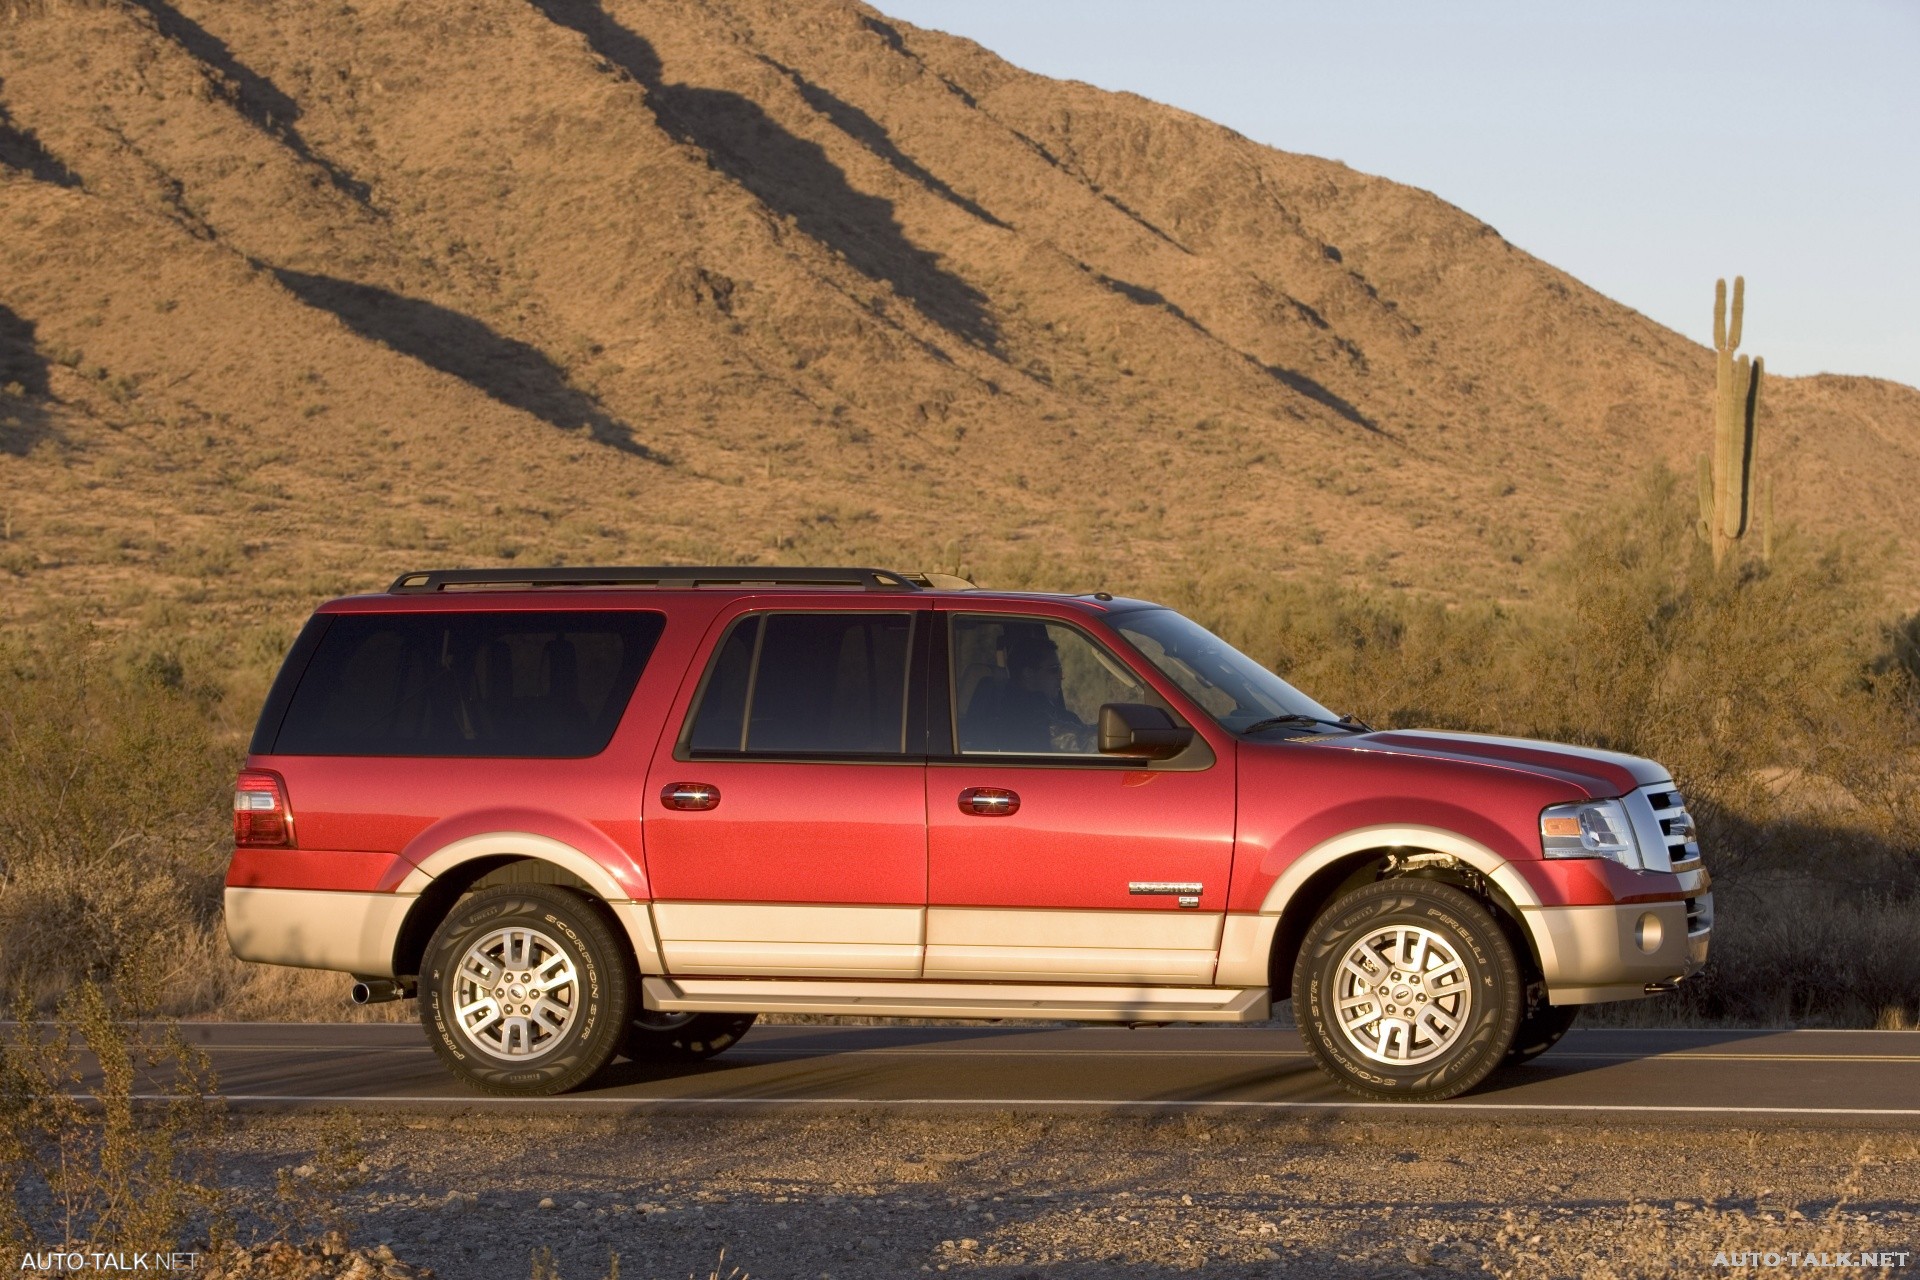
[690, 795]
[989, 802]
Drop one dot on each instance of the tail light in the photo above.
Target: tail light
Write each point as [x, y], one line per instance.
[261, 819]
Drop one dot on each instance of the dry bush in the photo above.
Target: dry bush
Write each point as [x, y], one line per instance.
[101, 1170]
[111, 827]
[1781, 698]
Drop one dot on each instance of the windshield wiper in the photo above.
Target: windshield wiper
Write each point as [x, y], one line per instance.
[1274, 722]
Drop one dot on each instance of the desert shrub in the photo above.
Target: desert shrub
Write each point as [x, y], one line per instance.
[1778, 694]
[112, 784]
[83, 1163]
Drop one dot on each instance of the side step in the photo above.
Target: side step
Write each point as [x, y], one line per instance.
[958, 999]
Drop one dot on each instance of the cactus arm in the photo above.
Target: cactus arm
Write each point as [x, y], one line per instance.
[1739, 310]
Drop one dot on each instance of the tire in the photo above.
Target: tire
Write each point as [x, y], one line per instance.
[1540, 1028]
[683, 1037]
[569, 1030]
[1464, 1009]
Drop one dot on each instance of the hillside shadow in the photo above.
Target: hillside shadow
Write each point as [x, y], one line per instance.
[23, 416]
[20, 149]
[793, 176]
[873, 135]
[511, 372]
[1314, 391]
[260, 101]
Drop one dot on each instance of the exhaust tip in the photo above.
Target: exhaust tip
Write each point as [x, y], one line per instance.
[379, 991]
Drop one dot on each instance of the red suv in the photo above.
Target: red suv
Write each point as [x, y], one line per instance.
[589, 812]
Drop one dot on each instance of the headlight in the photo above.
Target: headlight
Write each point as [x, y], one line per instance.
[1594, 829]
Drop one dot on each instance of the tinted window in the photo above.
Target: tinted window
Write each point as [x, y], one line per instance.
[1022, 686]
[1233, 688]
[808, 684]
[468, 684]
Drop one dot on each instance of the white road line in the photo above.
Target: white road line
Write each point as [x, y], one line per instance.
[1431, 1108]
[1557, 1055]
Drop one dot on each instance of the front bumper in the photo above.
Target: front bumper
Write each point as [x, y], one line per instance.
[1619, 951]
[317, 928]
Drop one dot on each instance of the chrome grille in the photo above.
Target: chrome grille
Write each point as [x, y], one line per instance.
[1676, 825]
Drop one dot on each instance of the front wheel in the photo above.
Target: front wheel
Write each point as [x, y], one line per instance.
[524, 990]
[1407, 990]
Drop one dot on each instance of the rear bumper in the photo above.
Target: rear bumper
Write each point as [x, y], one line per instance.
[317, 928]
[1616, 952]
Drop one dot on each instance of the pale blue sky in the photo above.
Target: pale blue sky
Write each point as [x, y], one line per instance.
[1645, 146]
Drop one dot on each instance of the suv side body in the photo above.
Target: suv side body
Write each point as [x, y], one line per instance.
[869, 847]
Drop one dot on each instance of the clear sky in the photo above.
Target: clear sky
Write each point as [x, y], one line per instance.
[1645, 146]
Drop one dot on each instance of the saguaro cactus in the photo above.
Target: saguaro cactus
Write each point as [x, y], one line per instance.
[1727, 475]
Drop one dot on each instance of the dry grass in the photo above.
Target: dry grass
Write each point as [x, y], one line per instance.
[752, 280]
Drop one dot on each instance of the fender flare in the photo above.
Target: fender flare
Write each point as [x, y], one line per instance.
[1390, 836]
[635, 917]
[1249, 940]
[523, 844]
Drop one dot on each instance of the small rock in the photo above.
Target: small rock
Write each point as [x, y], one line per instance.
[304, 1171]
[546, 1202]
[1419, 1255]
[1683, 1206]
[579, 1204]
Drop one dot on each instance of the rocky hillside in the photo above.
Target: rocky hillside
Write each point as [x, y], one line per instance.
[293, 296]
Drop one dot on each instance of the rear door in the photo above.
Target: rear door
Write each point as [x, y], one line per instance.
[1048, 861]
[786, 820]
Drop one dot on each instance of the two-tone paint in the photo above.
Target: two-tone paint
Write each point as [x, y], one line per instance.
[874, 885]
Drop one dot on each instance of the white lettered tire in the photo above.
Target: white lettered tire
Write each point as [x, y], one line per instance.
[1407, 990]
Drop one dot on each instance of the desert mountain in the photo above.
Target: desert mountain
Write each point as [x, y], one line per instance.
[294, 296]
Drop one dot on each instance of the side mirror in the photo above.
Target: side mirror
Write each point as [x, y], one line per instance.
[1135, 729]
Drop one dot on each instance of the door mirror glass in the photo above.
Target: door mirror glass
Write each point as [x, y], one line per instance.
[1134, 729]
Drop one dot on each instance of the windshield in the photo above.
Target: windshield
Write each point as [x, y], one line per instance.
[1232, 688]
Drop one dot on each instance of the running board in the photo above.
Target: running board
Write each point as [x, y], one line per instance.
[958, 1000]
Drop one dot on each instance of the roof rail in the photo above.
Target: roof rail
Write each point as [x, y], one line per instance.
[666, 577]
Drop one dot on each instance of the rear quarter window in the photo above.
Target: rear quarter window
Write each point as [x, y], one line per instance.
[521, 684]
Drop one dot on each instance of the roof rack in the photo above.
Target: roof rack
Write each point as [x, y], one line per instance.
[664, 577]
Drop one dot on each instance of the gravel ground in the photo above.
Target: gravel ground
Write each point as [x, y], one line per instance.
[844, 1196]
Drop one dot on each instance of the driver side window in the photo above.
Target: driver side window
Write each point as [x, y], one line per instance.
[1027, 686]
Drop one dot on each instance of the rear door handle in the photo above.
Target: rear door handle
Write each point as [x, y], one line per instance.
[989, 802]
[690, 795]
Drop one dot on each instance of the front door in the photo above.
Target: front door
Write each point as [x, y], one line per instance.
[786, 825]
[1048, 861]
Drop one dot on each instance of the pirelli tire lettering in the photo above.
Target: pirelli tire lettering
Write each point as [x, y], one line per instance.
[525, 990]
[1408, 989]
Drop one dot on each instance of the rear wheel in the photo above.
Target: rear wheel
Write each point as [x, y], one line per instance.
[1407, 990]
[524, 990]
[653, 1036]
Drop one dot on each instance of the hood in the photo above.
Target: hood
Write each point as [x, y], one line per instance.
[1602, 774]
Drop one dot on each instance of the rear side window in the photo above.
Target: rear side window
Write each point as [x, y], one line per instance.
[468, 684]
[807, 684]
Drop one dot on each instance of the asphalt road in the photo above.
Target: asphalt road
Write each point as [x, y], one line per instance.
[1739, 1078]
